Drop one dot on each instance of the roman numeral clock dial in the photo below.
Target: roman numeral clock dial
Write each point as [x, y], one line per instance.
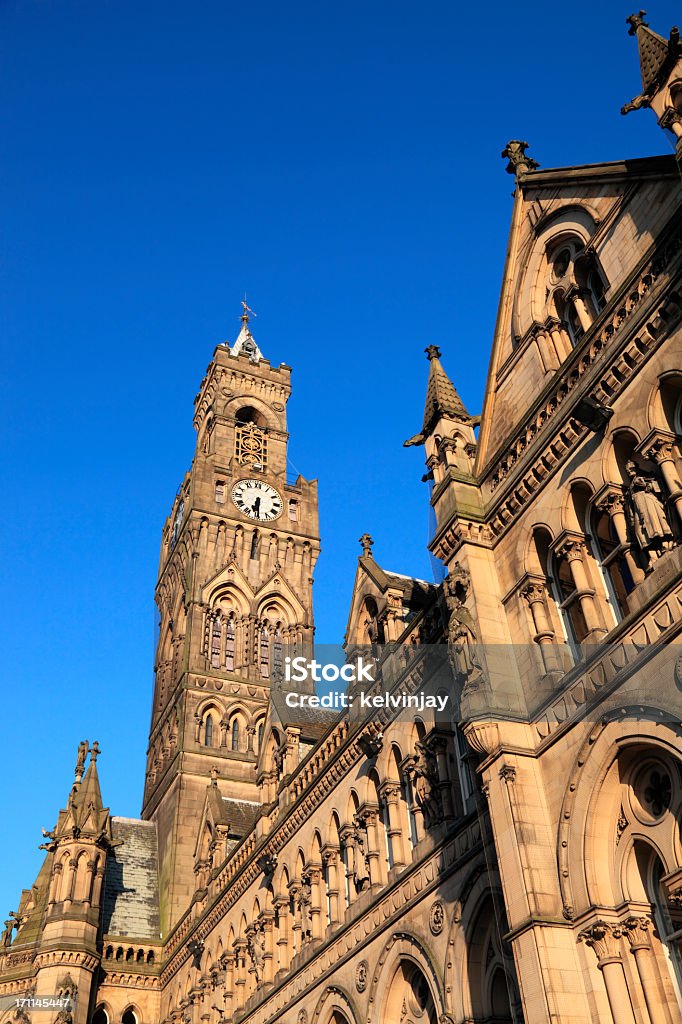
[257, 500]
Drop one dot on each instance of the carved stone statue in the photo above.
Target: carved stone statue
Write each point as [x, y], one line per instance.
[305, 895]
[647, 513]
[83, 749]
[255, 945]
[461, 630]
[423, 774]
[519, 161]
[360, 861]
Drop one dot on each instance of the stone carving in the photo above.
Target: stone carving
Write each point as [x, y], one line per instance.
[519, 162]
[196, 948]
[371, 745]
[422, 771]
[461, 630]
[603, 938]
[305, 898]
[302, 1017]
[357, 840]
[648, 519]
[255, 947]
[361, 975]
[437, 918]
[83, 749]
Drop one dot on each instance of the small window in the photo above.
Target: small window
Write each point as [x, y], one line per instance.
[293, 510]
[255, 545]
[129, 1018]
[235, 734]
[208, 732]
[100, 1016]
[220, 491]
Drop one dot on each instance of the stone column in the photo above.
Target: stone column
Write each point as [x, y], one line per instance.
[547, 351]
[368, 817]
[295, 925]
[660, 451]
[267, 921]
[535, 595]
[560, 338]
[604, 939]
[314, 877]
[240, 973]
[281, 905]
[613, 503]
[228, 961]
[583, 313]
[636, 931]
[331, 860]
[390, 792]
[573, 550]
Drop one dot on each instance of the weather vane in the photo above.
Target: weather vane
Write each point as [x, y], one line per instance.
[246, 311]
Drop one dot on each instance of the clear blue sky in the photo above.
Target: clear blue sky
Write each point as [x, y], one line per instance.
[341, 164]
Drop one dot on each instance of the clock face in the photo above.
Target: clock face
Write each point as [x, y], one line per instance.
[257, 500]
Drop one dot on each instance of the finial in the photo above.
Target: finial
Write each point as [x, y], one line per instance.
[367, 543]
[245, 311]
[519, 163]
[634, 21]
[432, 352]
[214, 776]
[83, 748]
[94, 752]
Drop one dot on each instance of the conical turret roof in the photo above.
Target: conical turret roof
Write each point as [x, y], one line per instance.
[656, 57]
[441, 398]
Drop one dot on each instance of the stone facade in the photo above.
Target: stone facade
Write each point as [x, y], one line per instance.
[519, 858]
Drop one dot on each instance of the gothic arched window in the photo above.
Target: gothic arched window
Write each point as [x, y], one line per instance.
[611, 556]
[234, 733]
[230, 644]
[216, 638]
[277, 648]
[576, 286]
[264, 652]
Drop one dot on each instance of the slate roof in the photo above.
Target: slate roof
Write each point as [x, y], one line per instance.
[240, 815]
[131, 885]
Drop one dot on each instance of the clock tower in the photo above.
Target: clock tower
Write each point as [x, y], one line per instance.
[234, 592]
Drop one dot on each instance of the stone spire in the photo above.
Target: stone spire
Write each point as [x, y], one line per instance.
[441, 399]
[657, 56]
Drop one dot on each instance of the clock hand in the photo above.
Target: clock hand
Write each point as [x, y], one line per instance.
[256, 506]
